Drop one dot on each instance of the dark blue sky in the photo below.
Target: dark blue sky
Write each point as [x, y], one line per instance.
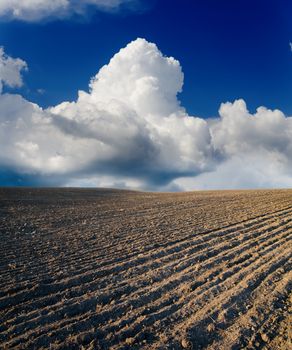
[228, 49]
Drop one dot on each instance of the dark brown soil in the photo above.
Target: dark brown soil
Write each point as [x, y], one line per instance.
[109, 269]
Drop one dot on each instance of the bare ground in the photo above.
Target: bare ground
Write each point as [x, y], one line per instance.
[107, 269]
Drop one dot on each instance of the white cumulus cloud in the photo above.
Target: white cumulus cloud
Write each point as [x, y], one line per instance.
[35, 10]
[256, 150]
[129, 130]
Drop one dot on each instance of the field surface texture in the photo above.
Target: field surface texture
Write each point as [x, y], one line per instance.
[109, 269]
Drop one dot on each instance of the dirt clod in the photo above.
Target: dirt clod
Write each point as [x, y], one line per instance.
[211, 327]
[186, 344]
[265, 338]
[130, 341]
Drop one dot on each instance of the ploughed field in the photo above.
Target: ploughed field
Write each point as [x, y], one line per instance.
[109, 269]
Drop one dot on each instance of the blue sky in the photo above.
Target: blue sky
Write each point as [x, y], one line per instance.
[227, 49]
[157, 95]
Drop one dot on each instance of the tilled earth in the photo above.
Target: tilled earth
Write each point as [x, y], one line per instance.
[109, 269]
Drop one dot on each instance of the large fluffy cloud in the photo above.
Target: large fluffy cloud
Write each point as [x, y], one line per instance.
[35, 10]
[130, 130]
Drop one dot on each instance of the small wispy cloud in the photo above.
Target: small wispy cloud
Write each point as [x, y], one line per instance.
[10, 70]
[290, 44]
[41, 91]
[37, 10]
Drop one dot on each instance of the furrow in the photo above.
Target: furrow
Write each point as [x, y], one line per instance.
[151, 298]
